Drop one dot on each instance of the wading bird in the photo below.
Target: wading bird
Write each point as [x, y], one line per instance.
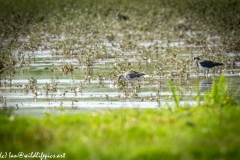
[205, 65]
[130, 76]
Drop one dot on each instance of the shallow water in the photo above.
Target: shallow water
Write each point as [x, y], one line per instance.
[80, 91]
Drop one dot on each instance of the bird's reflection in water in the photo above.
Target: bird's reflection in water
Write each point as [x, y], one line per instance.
[205, 84]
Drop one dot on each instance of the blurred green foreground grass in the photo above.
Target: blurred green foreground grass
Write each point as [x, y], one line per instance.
[181, 133]
[207, 131]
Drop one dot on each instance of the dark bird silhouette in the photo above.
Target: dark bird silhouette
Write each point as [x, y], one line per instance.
[121, 17]
[205, 65]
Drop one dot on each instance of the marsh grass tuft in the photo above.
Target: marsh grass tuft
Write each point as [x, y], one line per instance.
[7, 111]
[218, 96]
[198, 97]
[175, 95]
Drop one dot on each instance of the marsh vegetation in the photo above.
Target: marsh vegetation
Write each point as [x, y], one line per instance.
[63, 57]
[67, 53]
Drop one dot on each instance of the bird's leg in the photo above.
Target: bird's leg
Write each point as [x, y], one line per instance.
[138, 83]
[207, 72]
[132, 84]
[208, 79]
